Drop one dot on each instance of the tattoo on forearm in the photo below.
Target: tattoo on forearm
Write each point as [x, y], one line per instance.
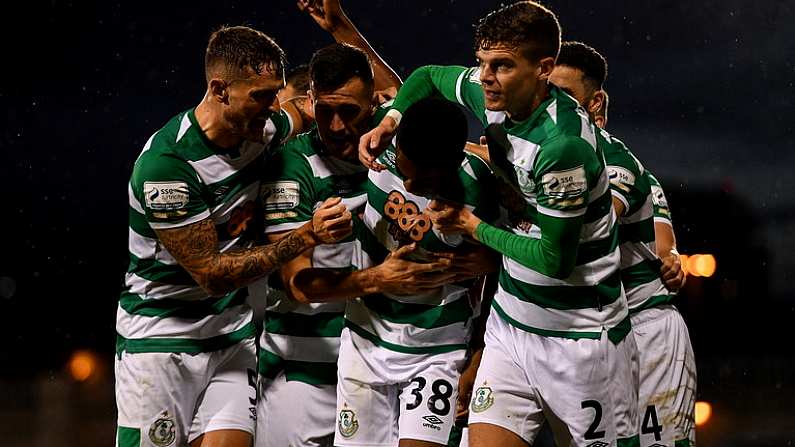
[195, 247]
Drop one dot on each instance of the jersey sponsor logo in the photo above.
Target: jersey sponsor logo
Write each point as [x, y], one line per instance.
[166, 196]
[483, 399]
[565, 184]
[598, 444]
[162, 432]
[408, 224]
[620, 177]
[282, 195]
[348, 424]
[432, 422]
[389, 157]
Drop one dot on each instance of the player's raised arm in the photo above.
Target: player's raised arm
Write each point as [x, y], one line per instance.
[329, 15]
[195, 247]
[455, 83]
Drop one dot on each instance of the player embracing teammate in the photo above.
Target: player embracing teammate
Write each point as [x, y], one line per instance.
[374, 292]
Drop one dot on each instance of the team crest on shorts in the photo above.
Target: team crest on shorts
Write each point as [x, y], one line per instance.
[483, 399]
[348, 424]
[162, 433]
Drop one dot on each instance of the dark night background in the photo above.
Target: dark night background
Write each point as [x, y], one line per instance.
[701, 91]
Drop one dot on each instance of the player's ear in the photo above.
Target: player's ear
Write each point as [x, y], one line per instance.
[545, 67]
[311, 98]
[219, 91]
[596, 103]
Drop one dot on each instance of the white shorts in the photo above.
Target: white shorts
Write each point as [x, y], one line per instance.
[295, 413]
[667, 378]
[384, 396]
[586, 389]
[172, 398]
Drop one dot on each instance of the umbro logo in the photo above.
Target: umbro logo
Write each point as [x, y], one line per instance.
[598, 444]
[433, 420]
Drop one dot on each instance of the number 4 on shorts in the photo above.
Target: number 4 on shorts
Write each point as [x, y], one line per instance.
[650, 423]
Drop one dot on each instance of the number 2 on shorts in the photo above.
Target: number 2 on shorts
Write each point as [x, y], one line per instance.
[591, 433]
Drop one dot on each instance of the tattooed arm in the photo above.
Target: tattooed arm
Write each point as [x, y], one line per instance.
[195, 247]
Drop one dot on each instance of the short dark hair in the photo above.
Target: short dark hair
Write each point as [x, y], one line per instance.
[333, 66]
[236, 48]
[298, 77]
[524, 25]
[586, 59]
[432, 133]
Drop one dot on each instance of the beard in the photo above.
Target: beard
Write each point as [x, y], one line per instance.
[246, 127]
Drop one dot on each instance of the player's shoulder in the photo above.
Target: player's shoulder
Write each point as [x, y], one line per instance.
[164, 151]
[617, 153]
[475, 167]
[565, 125]
[300, 146]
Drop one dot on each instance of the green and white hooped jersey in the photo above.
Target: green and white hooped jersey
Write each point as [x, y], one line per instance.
[662, 213]
[181, 178]
[640, 266]
[302, 340]
[560, 171]
[416, 324]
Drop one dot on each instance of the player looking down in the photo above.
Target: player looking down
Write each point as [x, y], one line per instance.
[558, 342]
[185, 340]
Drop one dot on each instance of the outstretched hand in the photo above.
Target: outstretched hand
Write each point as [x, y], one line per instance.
[400, 275]
[374, 142]
[327, 13]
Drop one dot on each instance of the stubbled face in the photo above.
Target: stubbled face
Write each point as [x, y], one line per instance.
[251, 101]
[342, 116]
[509, 80]
[572, 81]
[423, 181]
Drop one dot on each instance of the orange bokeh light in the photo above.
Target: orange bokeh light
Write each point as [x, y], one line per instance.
[703, 412]
[82, 365]
[698, 265]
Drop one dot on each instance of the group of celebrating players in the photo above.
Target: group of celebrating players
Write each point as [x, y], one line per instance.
[329, 262]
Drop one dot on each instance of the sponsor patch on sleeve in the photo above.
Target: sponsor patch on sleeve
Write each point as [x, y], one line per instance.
[283, 195]
[166, 196]
[621, 177]
[658, 197]
[565, 184]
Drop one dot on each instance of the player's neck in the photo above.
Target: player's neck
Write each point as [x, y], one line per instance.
[212, 124]
[540, 95]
